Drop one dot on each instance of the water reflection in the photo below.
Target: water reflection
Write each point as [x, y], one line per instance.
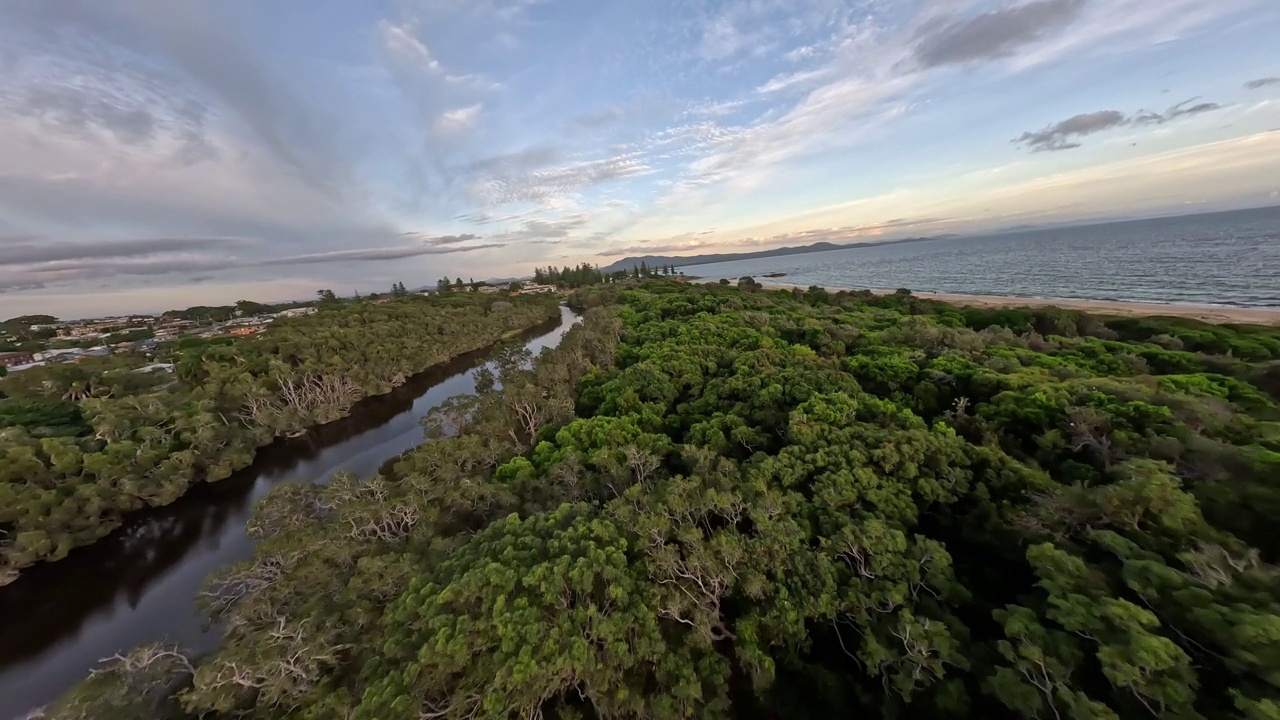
[138, 584]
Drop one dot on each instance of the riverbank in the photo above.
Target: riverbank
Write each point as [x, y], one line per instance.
[1216, 314]
[60, 507]
[138, 585]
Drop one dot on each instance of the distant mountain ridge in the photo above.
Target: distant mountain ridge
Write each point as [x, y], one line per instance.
[658, 261]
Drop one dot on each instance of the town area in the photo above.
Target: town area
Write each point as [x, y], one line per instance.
[34, 341]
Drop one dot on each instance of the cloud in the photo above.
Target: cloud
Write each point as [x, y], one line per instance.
[687, 243]
[13, 285]
[652, 249]
[1061, 135]
[548, 231]
[376, 254]
[875, 67]
[401, 43]
[1065, 135]
[196, 41]
[76, 271]
[1182, 109]
[716, 108]
[600, 118]
[459, 120]
[521, 161]
[32, 250]
[438, 240]
[154, 120]
[804, 52]
[790, 80]
[144, 118]
[1115, 28]
[722, 39]
[75, 110]
[994, 34]
[854, 232]
[67, 270]
[832, 116]
[522, 181]
[84, 87]
[486, 11]
[759, 28]
[28, 262]
[1262, 83]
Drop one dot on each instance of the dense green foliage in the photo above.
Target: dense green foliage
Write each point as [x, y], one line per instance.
[715, 503]
[444, 286]
[588, 274]
[16, 333]
[81, 444]
[205, 314]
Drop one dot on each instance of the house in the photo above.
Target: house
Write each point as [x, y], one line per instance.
[254, 320]
[16, 359]
[173, 328]
[93, 353]
[534, 289]
[89, 329]
[243, 330]
[79, 333]
[296, 312]
[491, 289]
[58, 354]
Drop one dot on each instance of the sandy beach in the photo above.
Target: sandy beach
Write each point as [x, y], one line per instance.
[1204, 313]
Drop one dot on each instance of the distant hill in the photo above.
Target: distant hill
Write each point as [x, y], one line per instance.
[658, 261]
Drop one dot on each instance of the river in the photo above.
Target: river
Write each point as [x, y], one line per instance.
[139, 584]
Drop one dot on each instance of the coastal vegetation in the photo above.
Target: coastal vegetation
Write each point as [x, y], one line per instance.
[588, 274]
[84, 443]
[717, 501]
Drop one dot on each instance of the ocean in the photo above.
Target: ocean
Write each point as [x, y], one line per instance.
[1227, 258]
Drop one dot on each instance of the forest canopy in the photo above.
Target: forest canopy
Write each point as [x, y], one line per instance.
[83, 443]
[713, 502]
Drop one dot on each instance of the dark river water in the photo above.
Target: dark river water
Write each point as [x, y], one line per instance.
[139, 585]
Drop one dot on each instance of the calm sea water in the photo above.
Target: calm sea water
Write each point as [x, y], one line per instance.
[1230, 258]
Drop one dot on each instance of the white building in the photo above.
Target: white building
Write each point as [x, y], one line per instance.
[48, 355]
[535, 289]
[296, 312]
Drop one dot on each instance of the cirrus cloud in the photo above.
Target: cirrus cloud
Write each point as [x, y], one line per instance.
[1262, 83]
[523, 181]
[378, 254]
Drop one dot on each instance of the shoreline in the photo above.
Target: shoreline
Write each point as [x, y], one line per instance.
[1216, 314]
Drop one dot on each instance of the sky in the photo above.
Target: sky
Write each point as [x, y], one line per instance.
[167, 153]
